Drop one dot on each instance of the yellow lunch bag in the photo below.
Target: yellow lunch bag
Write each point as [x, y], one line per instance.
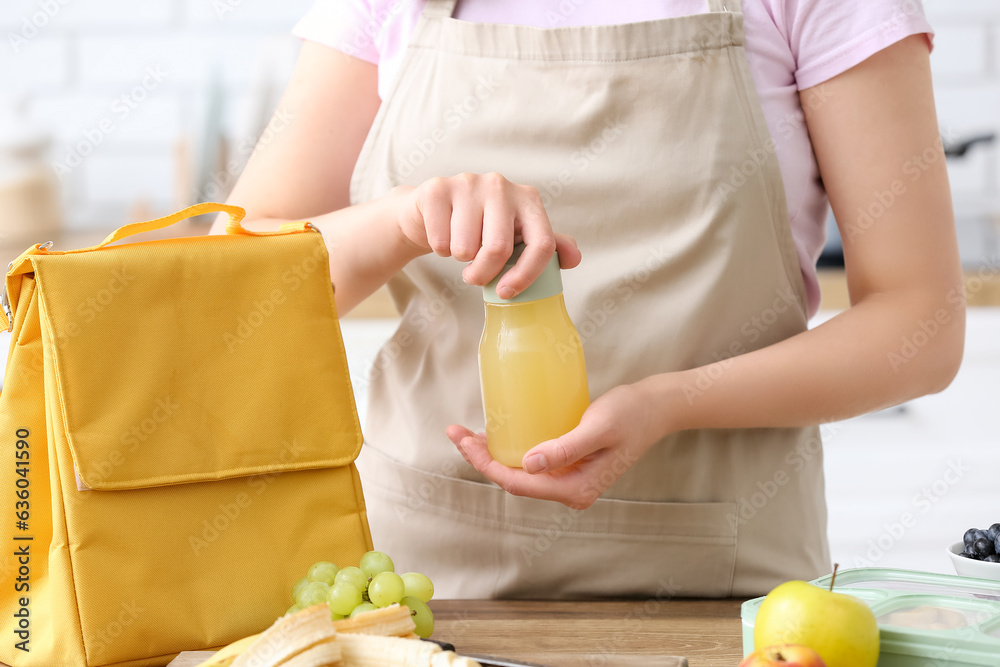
[179, 432]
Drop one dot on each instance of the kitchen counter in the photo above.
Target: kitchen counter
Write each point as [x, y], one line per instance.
[707, 632]
[588, 634]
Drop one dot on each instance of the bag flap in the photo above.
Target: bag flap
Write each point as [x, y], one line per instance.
[197, 359]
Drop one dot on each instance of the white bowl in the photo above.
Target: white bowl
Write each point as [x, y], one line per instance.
[967, 567]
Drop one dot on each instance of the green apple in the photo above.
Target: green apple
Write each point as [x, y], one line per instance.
[841, 628]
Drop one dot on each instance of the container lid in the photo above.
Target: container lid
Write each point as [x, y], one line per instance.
[546, 285]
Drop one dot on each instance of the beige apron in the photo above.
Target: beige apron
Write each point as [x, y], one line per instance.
[649, 146]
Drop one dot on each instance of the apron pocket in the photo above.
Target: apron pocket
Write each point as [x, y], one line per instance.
[475, 540]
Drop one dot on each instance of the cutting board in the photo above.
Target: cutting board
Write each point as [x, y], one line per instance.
[195, 658]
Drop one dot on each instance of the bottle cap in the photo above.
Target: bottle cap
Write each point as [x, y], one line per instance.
[546, 285]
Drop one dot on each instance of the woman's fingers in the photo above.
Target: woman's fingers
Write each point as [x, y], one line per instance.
[539, 243]
[478, 218]
[497, 241]
[466, 222]
[434, 202]
[569, 254]
[571, 487]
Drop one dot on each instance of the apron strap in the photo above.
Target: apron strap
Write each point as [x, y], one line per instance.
[733, 6]
[439, 9]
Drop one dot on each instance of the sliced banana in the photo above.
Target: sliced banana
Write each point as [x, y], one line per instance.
[374, 651]
[309, 638]
[289, 636]
[325, 654]
[391, 621]
[226, 656]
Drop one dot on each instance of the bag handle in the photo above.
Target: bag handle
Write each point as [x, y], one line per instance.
[233, 228]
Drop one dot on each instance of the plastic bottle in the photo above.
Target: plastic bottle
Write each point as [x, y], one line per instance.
[531, 366]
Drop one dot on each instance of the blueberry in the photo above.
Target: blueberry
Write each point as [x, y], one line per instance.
[984, 547]
[993, 531]
[970, 549]
[993, 558]
[981, 534]
[970, 536]
[996, 544]
[966, 555]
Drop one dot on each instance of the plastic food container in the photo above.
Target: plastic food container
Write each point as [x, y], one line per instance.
[924, 619]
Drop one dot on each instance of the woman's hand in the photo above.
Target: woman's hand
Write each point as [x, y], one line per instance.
[577, 468]
[478, 218]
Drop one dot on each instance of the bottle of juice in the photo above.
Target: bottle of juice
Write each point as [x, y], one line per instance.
[531, 366]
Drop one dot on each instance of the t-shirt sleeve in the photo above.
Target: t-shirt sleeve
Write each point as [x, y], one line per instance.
[346, 25]
[828, 37]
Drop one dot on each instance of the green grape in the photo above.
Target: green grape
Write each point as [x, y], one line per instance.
[343, 598]
[362, 608]
[418, 586]
[298, 586]
[374, 562]
[336, 617]
[386, 588]
[354, 576]
[422, 615]
[293, 609]
[314, 593]
[324, 571]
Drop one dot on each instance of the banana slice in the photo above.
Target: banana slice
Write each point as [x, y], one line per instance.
[325, 654]
[391, 621]
[225, 656]
[289, 636]
[450, 659]
[375, 651]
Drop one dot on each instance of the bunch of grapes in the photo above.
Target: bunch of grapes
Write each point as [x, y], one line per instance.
[982, 544]
[372, 584]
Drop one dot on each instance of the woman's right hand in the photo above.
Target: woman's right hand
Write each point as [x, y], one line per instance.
[477, 219]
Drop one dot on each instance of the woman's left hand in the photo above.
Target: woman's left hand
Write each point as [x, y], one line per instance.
[575, 469]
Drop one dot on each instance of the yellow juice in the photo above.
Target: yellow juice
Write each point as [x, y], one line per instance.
[533, 375]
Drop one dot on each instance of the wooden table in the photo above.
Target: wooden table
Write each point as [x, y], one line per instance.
[592, 634]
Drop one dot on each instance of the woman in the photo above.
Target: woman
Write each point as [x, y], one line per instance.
[690, 160]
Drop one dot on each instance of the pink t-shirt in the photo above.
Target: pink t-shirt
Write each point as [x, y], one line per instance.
[791, 45]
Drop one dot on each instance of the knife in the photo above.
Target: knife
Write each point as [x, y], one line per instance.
[485, 660]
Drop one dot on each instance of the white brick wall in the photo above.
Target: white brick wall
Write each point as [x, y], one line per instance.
[82, 55]
[74, 60]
